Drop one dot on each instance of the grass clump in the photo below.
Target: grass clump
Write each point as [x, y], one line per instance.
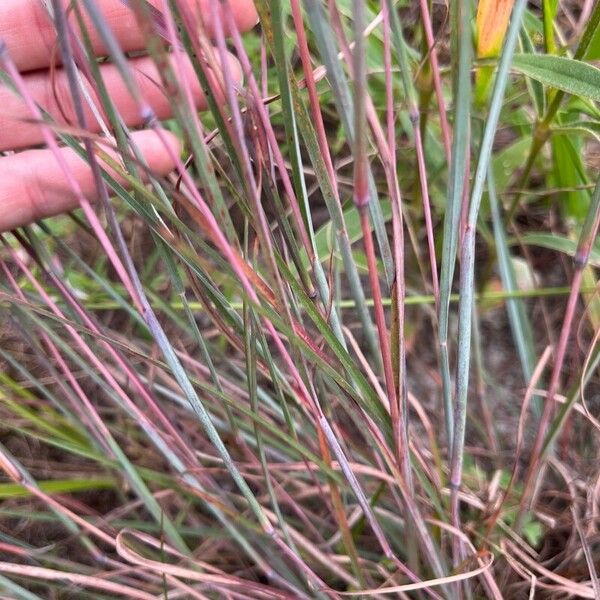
[346, 344]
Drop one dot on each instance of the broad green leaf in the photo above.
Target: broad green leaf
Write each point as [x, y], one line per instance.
[589, 46]
[569, 173]
[325, 236]
[533, 531]
[560, 244]
[549, 13]
[577, 107]
[588, 128]
[508, 160]
[536, 90]
[593, 52]
[566, 74]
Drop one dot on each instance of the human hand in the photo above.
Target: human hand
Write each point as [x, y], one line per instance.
[32, 185]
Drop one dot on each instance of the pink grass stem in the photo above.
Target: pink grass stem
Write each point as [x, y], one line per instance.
[553, 387]
[437, 84]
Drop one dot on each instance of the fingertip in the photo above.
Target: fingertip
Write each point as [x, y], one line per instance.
[160, 152]
[247, 16]
[34, 185]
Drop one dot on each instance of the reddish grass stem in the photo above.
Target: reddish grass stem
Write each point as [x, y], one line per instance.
[361, 201]
[580, 261]
[437, 83]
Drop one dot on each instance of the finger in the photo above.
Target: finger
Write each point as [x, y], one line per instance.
[30, 36]
[34, 187]
[56, 99]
